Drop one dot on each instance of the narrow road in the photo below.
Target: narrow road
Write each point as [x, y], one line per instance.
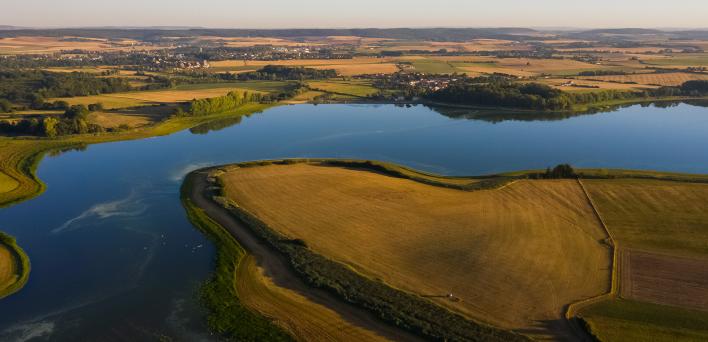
[278, 269]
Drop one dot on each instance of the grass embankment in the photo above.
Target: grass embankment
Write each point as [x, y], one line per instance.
[429, 241]
[306, 320]
[14, 266]
[228, 317]
[240, 297]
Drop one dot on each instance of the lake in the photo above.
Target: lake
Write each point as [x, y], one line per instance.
[113, 255]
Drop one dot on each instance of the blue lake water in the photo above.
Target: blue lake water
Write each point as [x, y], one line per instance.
[114, 258]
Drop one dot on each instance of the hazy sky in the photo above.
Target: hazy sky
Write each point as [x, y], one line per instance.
[357, 13]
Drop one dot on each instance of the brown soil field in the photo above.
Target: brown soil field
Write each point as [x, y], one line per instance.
[664, 279]
[664, 79]
[513, 257]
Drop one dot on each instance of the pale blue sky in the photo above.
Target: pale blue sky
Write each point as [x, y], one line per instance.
[356, 13]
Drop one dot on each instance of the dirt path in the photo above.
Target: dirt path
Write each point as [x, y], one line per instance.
[277, 268]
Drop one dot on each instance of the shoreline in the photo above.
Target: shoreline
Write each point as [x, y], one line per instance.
[276, 266]
[21, 261]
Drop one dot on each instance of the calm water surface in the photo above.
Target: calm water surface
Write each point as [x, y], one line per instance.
[114, 258]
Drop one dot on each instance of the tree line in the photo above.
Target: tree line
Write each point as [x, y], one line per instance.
[498, 91]
[285, 73]
[75, 120]
[33, 87]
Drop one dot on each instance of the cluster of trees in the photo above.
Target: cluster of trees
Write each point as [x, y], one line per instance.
[74, 121]
[285, 73]
[32, 87]
[501, 92]
[219, 104]
[235, 99]
[561, 171]
[695, 88]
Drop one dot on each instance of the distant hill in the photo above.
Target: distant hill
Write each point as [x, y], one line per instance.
[434, 34]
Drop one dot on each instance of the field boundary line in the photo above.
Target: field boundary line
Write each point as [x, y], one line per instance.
[574, 308]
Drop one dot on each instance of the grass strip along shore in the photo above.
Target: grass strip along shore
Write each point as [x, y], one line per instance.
[14, 266]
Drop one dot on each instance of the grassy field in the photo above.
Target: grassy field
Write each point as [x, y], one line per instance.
[352, 89]
[480, 246]
[7, 183]
[683, 60]
[303, 318]
[626, 320]
[654, 215]
[143, 98]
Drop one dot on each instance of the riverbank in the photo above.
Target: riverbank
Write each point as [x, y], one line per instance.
[19, 157]
[14, 266]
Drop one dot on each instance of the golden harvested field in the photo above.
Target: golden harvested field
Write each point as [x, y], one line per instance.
[7, 268]
[142, 98]
[558, 84]
[664, 79]
[130, 117]
[346, 67]
[301, 62]
[37, 45]
[303, 318]
[546, 66]
[513, 257]
[468, 46]
[360, 69]
[7, 183]
[664, 279]
[654, 215]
